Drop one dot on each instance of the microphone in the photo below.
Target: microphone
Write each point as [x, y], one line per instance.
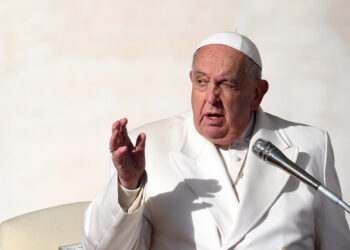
[268, 152]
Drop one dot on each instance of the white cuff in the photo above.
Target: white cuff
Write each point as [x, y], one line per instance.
[126, 197]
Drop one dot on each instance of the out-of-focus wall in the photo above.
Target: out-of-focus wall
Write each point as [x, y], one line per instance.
[68, 69]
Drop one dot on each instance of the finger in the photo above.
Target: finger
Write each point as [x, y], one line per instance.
[116, 125]
[111, 141]
[140, 142]
[123, 123]
[124, 132]
[116, 140]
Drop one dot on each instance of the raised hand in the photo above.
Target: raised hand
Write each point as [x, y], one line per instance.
[127, 158]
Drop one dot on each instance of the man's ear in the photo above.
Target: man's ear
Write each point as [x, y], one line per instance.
[191, 76]
[261, 88]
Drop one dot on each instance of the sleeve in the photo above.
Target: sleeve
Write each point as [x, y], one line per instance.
[108, 226]
[332, 230]
[129, 199]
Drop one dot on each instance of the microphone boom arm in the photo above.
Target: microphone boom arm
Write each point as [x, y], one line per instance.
[266, 151]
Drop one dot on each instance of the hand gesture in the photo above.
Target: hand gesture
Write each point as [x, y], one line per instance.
[127, 158]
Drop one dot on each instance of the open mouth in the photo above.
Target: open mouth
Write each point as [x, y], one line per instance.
[213, 116]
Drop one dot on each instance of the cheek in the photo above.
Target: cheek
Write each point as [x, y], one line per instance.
[197, 102]
[193, 102]
[195, 109]
[236, 107]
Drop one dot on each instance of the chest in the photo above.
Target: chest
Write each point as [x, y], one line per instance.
[180, 216]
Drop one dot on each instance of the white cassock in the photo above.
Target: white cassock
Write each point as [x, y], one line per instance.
[188, 201]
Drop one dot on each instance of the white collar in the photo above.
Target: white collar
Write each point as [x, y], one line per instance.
[243, 141]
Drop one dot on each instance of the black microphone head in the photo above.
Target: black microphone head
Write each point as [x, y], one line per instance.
[262, 148]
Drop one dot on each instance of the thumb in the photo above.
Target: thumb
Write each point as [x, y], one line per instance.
[140, 142]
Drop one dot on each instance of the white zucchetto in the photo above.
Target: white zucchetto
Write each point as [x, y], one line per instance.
[236, 41]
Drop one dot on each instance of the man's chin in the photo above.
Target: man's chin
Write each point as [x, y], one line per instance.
[216, 137]
[219, 141]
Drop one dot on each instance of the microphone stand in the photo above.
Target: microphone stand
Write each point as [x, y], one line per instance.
[266, 151]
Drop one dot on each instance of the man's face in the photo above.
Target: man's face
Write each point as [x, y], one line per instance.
[223, 95]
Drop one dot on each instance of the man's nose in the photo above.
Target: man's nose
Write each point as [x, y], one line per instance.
[213, 94]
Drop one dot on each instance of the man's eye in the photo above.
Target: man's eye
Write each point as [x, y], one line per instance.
[227, 85]
[201, 82]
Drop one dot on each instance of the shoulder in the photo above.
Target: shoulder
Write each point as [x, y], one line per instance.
[312, 143]
[295, 133]
[170, 131]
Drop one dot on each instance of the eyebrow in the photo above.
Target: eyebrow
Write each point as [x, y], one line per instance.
[200, 72]
[232, 80]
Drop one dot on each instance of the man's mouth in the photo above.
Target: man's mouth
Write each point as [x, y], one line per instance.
[213, 116]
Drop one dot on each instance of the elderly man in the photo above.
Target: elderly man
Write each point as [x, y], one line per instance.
[196, 185]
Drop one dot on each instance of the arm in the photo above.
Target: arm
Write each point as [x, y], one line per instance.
[107, 224]
[332, 230]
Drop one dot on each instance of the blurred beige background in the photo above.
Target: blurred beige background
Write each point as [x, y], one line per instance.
[68, 69]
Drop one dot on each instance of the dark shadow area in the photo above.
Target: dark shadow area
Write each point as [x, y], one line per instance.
[174, 211]
[293, 183]
[304, 158]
